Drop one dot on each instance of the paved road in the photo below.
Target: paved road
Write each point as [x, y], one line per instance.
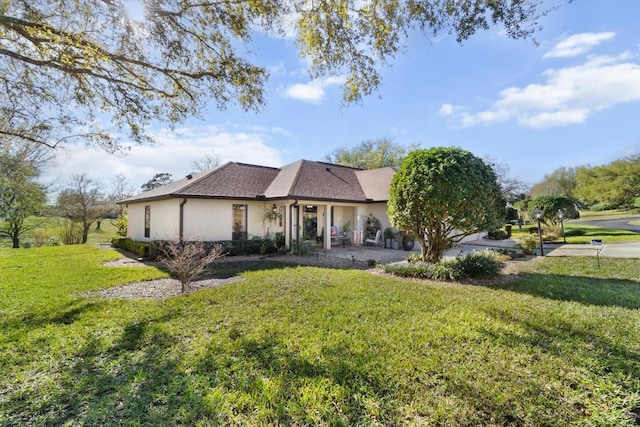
[621, 224]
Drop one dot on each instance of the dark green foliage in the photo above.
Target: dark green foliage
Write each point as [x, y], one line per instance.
[497, 235]
[549, 206]
[568, 232]
[138, 248]
[444, 194]
[253, 246]
[466, 266]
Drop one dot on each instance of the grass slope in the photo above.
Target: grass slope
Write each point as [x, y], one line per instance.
[310, 346]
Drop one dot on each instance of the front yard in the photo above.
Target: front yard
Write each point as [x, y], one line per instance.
[315, 346]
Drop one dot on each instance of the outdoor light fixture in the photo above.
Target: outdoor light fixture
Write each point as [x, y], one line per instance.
[561, 215]
[538, 213]
[274, 208]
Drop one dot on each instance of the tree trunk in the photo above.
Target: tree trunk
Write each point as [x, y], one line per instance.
[85, 232]
[16, 242]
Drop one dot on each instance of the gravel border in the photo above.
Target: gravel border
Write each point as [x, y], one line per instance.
[159, 289]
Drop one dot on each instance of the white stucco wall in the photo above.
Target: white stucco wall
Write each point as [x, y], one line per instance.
[164, 220]
[210, 220]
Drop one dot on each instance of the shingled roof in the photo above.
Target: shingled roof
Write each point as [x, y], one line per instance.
[303, 179]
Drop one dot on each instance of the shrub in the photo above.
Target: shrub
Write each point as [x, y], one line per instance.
[528, 244]
[599, 207]
[476, 264]
[121, 225]
[188, 260]
[141, 249]
[480, 264]
[574, 232]
[70, 233]
[497, 235]
[40, 237]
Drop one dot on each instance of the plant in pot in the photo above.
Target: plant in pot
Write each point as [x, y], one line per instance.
[408, 241]
[389, 234]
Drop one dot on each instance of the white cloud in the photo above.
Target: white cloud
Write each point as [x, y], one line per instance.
[567, 95]
[312, 92]
[446, 110]
[578, 44]
[174, 152]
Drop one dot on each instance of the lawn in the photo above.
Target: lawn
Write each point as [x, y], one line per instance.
[609, 235]
[312, 346]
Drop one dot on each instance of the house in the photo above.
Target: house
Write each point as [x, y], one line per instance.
[235, 200]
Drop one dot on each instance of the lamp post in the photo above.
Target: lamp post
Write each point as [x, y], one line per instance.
[538, 213]
[561, 215]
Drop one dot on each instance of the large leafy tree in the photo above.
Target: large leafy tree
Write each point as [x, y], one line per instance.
[371, 154]
[615, 184]
[81, 202]
[70, 67]
[560, 182]
[21, 195]
[444, 194]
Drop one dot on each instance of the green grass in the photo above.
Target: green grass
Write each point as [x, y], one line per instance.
[609, 214]
[609, 235]
[311, 346]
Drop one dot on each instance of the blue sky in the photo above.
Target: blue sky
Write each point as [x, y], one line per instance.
[573, 100]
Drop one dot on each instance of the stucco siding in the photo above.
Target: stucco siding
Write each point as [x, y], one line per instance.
[212, 220]
[164, 220]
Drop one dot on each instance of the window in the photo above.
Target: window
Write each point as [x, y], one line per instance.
[239, 222]
[147, 221]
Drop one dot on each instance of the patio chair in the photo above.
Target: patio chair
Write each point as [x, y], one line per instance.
[377, 241]
[334, 233]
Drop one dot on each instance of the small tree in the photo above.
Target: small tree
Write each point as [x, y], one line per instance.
[444, 194]
[81, 202]
[187, 260]
[549, 207]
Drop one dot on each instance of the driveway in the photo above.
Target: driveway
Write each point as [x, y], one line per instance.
[607, 250]
[620, 224]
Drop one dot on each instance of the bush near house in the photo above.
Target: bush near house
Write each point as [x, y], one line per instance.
[466, 266]
[138, 248]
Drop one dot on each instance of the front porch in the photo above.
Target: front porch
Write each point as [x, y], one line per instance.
[326, 226]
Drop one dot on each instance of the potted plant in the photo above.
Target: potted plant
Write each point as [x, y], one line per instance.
[388, 237]
[407, 241]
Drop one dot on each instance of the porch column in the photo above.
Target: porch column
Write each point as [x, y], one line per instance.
[288, 220]
[361, 214]
[327, 227]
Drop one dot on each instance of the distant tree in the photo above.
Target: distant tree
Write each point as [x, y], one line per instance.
[21, 195]
[207, 162]
[616, 184]
[121, 188]
[560, 182]
[444, 194]
[106, 62]
[549, 207]
[158, 180]
[81, 203]
[371, 154]
[512, 188]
